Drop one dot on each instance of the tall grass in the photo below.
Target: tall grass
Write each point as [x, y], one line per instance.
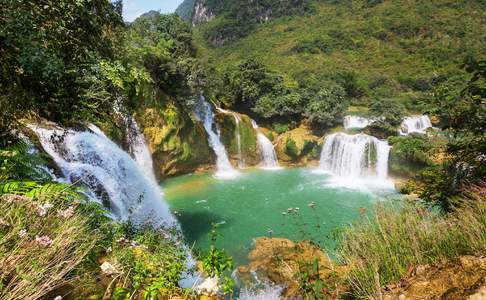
[381, 249]
[41, 242]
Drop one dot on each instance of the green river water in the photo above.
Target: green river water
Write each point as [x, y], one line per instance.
[253, 203]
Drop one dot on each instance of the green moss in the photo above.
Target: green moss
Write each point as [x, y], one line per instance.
[372, 154]
[291, 149]
[228, 130]
[410, 154]
[179, 143]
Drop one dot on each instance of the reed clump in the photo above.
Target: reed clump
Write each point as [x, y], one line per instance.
[383, 247]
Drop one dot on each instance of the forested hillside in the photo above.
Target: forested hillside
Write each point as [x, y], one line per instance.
[371, 50]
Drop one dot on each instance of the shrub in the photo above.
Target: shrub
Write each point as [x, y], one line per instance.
[291, 149]
[149, 261]
[409, 154]
[389, 111]
[280, 127]
[327, 107]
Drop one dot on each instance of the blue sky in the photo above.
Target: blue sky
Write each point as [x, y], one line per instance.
[134, 8]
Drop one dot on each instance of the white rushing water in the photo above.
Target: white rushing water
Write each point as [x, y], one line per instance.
[241, 160]
[268, 292]
[355, 158]
[355, 122]
[111, 174]
[204, 113]
[415, 124]
[126, 185]
[267, 150]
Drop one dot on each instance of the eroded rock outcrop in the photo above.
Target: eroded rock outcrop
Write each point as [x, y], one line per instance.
[298, 147]
[282, 262]
[177, 142]
[460, 278]
[247, 138]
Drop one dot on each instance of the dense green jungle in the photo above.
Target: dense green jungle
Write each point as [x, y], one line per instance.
[264, 149]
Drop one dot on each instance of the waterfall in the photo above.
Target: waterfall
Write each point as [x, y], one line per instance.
[355, 122]
[205, 115]
[355, 156]
[267, 292]
[267, 151]
[415, 124]
[241, 160]
[111, 174]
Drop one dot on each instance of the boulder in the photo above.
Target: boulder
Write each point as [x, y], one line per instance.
[460, 278]
[298, 147]
[281, 261]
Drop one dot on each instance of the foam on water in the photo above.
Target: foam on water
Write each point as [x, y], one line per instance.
[355, 122]
[415, 124]
[355, 161]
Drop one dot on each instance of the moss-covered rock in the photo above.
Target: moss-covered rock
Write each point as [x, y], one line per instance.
[298, 146]
[227, 125]
[178, 143]
[409, 155]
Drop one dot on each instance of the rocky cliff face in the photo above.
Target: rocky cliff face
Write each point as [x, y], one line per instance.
[178, 143]
[202, 13]
[229, 131]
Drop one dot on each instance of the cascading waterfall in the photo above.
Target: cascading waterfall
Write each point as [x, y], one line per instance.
[126, 185]
[355, 122]
[110, 173]
[267, 151]
[205, 115]
[415, 124]
[241, 160]
[355, 156]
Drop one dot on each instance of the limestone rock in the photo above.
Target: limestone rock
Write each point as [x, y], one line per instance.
[177, 142]
[279, 261]
[461, 278]
[298, 146]
[108, 269]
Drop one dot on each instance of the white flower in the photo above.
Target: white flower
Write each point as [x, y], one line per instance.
[58, 298]
[44, 241]
[43, 209]
[22, 233]
[15, 198]
[66, 213]
[4, 223]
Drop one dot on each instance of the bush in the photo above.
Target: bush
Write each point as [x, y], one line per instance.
[291, 149]
[149, 261]
[409, 154]
[327, 107]
[387, 111]
[314, 46]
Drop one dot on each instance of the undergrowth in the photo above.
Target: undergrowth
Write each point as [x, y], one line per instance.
[395, 238]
